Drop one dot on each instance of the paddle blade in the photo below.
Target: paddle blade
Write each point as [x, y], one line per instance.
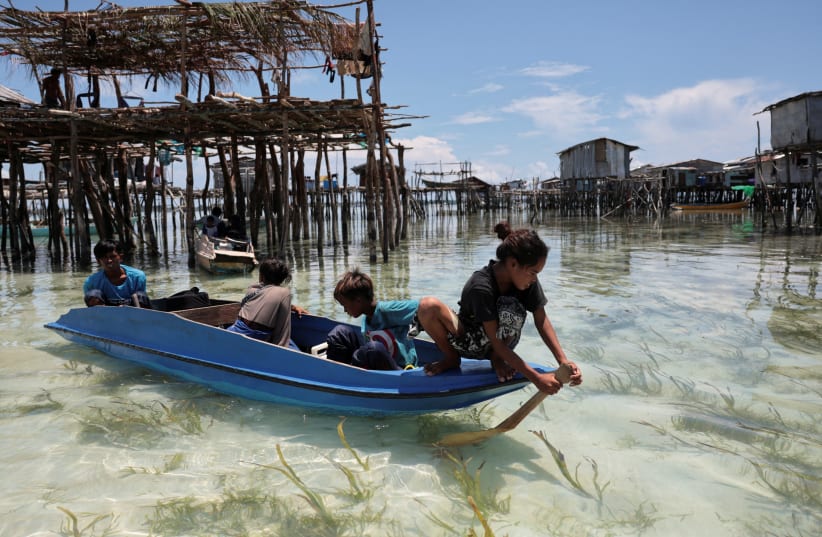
[468, 437]
[563, 374]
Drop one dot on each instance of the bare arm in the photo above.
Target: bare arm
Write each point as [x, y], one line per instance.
[549, 337]
[545, 382]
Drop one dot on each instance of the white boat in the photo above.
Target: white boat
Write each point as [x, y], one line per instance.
[224, 255]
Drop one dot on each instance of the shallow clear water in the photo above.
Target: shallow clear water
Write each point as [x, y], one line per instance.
[698, 337]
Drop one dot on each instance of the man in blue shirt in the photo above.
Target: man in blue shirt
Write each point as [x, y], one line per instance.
[114, 284]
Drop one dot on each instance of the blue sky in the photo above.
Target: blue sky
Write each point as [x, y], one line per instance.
[507, 85]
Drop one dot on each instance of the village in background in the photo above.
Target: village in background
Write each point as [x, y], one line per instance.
[266, 158]
[590, 166]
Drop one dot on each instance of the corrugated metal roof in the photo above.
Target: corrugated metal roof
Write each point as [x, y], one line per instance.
[794, 98]
[628, 146]
[8, 95]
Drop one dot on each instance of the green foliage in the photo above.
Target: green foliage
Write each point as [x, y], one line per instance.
[487, 531]
[74, 365]
[41, 402]
[429, 426]
[99, 526]
[141, 425]
[324, 522]
[235, 513]
[559, 458]
[172, 462]
[471, 487]
[341, 434]
[635, 378]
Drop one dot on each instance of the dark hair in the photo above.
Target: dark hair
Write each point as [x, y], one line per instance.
[274, 271]
[216, 211]
[210, 218]
[105, 247]
[353, 284]
[56, 70]
[237, 223]
[524, 245]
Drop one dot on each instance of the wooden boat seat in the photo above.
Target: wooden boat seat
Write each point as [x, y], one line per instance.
[220, 315]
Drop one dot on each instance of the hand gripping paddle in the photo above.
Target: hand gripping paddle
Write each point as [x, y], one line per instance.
[562, 373]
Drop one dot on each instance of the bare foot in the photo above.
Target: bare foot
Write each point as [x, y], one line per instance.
[502, 369]
[435, 368]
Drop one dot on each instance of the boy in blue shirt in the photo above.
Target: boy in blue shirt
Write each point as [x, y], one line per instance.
[383, 342]
[114, 284]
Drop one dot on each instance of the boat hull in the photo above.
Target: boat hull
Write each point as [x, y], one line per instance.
[712, 206]
[234, 364]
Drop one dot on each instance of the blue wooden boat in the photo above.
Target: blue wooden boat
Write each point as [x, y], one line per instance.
[192, 345]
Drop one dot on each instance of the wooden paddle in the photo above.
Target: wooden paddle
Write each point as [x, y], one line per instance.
[563, 374]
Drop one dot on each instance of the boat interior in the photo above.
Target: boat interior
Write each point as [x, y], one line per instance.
[307, 331]
[222, 314]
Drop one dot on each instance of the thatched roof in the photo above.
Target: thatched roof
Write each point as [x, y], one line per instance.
[218, 41]
[338, 121]
[212, 37]
[10, 97]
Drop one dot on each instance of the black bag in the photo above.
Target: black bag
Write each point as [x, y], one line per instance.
[182, 300]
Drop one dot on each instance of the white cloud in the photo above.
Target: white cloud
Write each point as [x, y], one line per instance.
[530, 134]
[426, 149]
[472, 118]
[499, 150]
[542, 169]
[496, 172]
[491, 87]
[545, 69]
[567, 112]
[491, 171]
[713, 119]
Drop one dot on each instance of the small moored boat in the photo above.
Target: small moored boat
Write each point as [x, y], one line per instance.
[711, 206]
[224, 255]
[193, 345]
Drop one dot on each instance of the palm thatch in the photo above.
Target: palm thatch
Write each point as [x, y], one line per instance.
[219, 43]
[222, 42]
[219, 37]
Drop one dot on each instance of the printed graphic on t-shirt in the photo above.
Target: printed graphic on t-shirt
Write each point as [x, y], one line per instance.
[386, 338]
[511, 314]
[474, 343]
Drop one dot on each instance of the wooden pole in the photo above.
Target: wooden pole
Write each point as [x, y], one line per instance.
[149, 196]
[333, 199]
[82, 240]
[318, 198]
[817, 188]
[346, 202]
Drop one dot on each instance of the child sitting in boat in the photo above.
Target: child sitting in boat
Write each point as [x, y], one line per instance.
[265, 311]
[210, 227]
[213, 225]
[388, 327]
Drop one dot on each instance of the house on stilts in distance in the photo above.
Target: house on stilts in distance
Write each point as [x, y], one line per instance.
[593, 171]
[796, 132]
